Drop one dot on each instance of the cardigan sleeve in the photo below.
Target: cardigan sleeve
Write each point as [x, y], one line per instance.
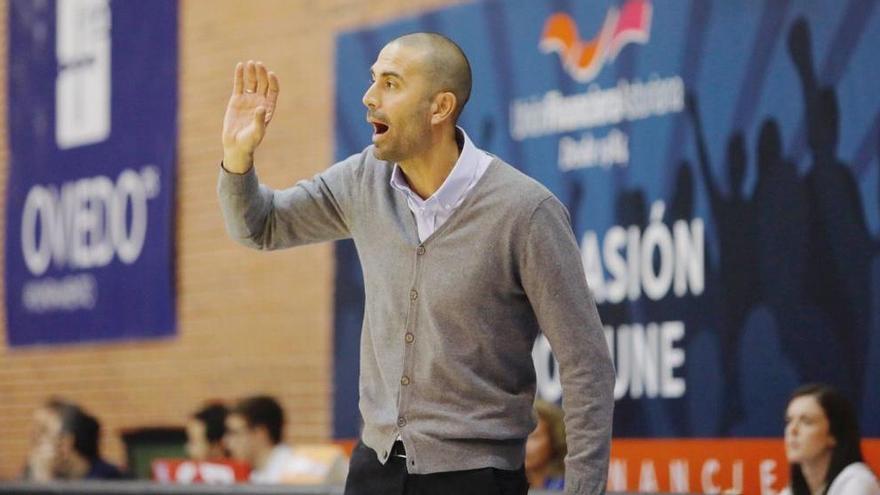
[311, 211]
[553, 278]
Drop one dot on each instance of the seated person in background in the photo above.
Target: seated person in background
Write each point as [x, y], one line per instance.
[546, 449]
[204, 433]
[822, 444]
[65, 445]
[254, 430]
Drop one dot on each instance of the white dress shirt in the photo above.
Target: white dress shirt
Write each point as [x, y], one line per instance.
[431, 213]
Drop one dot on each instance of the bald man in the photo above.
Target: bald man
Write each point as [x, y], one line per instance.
[465, 261]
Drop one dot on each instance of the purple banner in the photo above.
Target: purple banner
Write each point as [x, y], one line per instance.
[90, 205]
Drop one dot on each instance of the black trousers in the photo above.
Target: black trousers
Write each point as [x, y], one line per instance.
[367, 476]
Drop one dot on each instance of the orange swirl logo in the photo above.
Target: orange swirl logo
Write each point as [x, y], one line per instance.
[583, 59]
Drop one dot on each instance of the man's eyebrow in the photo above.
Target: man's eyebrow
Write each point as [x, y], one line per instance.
[387, 73]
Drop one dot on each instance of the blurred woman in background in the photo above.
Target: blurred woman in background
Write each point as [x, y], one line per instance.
[822, 444]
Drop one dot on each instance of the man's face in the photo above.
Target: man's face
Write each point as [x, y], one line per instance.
[399, 103]
[240, 439]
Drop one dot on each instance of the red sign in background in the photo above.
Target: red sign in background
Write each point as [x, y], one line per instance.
[748, 466]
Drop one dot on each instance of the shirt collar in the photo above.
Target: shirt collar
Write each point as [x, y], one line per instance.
[452, 191]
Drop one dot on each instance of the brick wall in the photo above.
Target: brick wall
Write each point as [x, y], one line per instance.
[247, 321]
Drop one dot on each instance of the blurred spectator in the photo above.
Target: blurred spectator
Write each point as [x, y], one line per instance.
[204, 433]
[65, 445]
[546, 449]
[254, 430]
[822, 444]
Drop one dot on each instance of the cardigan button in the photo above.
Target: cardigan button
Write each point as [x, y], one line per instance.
[420, 251]
[413, 295]
[401, 421]
[409, 338]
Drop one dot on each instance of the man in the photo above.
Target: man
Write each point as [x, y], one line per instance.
[204, 433]
[465, 260]
[254, 430]
[65, 445]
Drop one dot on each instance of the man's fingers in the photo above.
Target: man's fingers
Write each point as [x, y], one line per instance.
[272, 93]
[262, 79]
[238, 79]
[250, 77]
[273, 83]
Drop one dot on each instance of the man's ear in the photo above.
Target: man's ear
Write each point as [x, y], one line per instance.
[443, 107]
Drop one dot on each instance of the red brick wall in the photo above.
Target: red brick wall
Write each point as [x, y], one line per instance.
[247, 321]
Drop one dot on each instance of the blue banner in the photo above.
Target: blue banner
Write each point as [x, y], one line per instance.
[719, 161]
[90, 206]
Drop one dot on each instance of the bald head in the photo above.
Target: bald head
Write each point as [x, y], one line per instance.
[445, 64]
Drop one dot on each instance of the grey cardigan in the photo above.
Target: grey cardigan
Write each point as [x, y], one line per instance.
[449, 323]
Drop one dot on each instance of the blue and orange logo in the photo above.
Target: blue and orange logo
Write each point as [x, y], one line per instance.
[583, 59]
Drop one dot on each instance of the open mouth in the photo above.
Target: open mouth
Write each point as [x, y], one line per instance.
[379, 128]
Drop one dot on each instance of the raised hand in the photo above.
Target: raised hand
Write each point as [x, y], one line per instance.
[249, 111]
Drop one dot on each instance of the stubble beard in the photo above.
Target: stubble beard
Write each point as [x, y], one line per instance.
[407, 144]
[383, 155]
[402, 149]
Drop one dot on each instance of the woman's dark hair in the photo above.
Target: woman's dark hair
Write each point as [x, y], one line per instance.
[843, 426]
[213, 416]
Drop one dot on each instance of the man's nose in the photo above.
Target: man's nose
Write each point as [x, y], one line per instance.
[369, 98]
